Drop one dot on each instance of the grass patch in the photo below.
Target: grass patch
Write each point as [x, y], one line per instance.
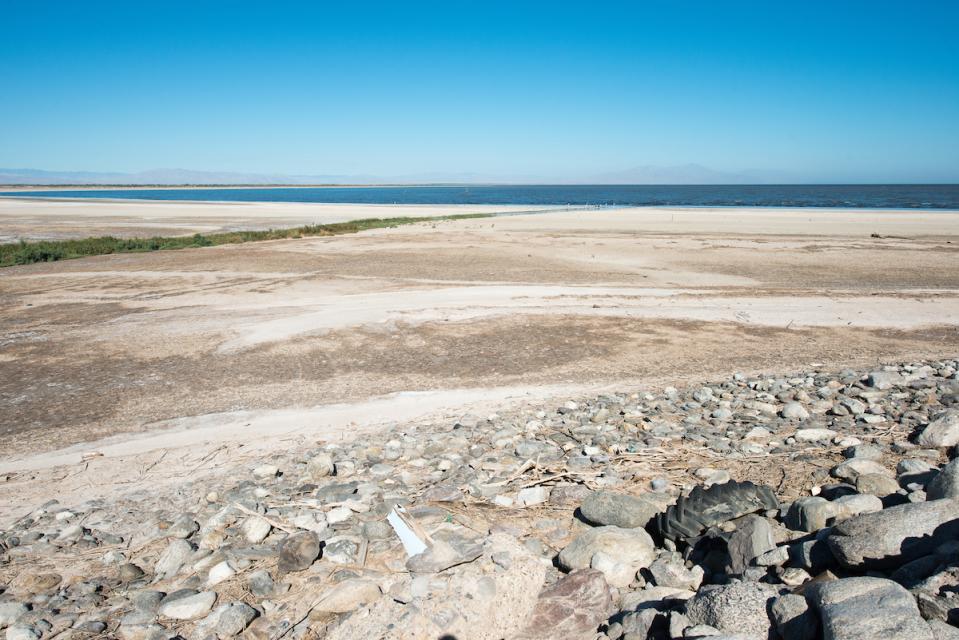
[52, 250]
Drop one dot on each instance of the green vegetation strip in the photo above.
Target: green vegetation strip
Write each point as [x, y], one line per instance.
[52, 250]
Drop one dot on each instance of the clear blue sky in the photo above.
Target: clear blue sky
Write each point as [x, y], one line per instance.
[823, 91]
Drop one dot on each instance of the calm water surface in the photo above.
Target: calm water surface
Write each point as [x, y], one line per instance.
[864, 196]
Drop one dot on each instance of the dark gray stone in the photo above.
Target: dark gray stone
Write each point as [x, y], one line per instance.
[752, 538]
[946, 483]
[619, 510]
[298, 551]
[794, 619]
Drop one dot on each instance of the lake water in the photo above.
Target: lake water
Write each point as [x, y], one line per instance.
[862, 196]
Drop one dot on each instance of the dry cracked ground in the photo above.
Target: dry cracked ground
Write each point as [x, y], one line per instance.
[545, 304]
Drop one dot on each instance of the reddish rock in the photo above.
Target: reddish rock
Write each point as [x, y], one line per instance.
[572, 608]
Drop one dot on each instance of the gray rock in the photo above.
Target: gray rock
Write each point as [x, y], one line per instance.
[183, 527]
[618, 510]
[532, 496]
[774, 557]
[632, 547]
[855, 407]
[877, 484]
[942, 631]
[706, 631]
[189, 607]
[672, 572]
[794, 619]
[255, 529]
[894, 536]
[261, 583]
[740, 608]
[864, 451]
[911, 466]
[297, 551]
[811, 513]
[442, 493]
[320, 466]
[794, 411]
[866, 609]
[884, 379]
[377, 530]
[173, 557]
[814, 435]
[22, 632]
[946, 483]
[636, 625]
[941, 432]
[234, 619]
[852, 469]
[129, 571]
[341, 550]
[11, 612]
[147, 600]
[856, 504]
[752, 538]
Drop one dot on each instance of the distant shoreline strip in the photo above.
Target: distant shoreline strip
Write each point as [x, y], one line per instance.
[23, 252]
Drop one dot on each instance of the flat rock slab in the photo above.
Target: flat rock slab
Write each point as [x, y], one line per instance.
[894, 536]
[572, 608]
[867, 609]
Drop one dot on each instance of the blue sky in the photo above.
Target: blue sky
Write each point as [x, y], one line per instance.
[817, 91]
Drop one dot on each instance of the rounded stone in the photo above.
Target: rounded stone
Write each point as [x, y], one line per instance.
[617, 509]
[298, 551]
[737, 608]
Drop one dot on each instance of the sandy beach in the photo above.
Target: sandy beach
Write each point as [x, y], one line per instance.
[577, 301]
[61, 219]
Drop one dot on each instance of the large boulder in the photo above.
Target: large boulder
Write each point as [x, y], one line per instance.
[946, 483]
[704, 508]
[941, 432]
[867, 609]
[739, 608]
[631, 547]
[894, 536]
[619, 510]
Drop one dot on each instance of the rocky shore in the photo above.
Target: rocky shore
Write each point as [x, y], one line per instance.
[814, 504]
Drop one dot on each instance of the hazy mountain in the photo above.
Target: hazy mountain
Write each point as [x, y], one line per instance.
[649, 174]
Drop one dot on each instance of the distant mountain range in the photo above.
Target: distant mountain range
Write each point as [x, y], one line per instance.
[650, 174]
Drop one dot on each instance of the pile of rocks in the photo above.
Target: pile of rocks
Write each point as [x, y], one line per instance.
[816, 505]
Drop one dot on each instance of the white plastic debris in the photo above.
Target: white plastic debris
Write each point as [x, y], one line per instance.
[414, 539]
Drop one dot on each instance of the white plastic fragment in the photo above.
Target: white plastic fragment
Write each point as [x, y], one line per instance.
[412, 536]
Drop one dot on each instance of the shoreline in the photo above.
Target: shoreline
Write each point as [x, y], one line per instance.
[532, 207]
